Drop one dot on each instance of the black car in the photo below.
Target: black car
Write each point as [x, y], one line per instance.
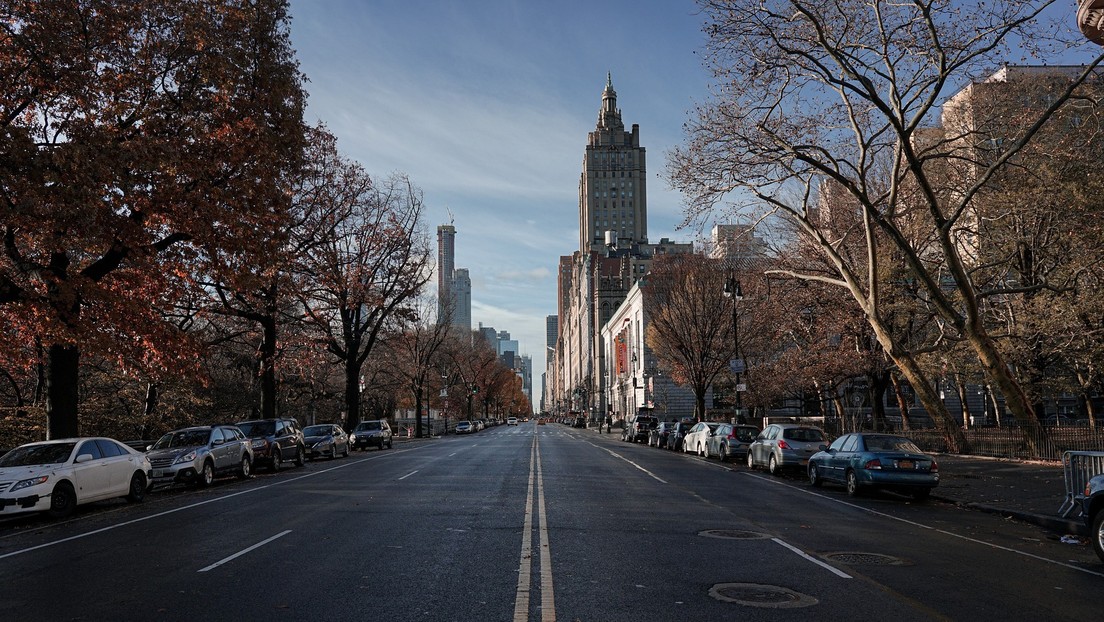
[375, 433]
[326, 439]
[659, 434]
[674, 439]
[275, 441]
[580, 422]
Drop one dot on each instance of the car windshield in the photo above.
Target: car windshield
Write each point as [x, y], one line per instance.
[317, 430]
[51, 453]
[368, 426]
[803, 435]
[258, 428]
[183, 438]
[890, 443]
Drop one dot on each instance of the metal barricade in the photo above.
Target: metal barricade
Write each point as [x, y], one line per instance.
[1079, 467]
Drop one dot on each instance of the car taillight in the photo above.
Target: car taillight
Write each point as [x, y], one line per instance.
[934, 467]
[783, 445]
[873, 464]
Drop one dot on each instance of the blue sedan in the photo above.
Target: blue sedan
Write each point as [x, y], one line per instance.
[869, 460]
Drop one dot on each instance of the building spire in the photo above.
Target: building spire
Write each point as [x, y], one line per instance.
[609, 117]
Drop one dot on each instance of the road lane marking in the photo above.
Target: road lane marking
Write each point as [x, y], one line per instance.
[816, 561]
[617, 455]
[244, 551]
[548, 598]
[923, 526]
[407, 475]
[525, 565]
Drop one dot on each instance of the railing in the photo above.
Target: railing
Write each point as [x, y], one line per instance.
[1079, 467]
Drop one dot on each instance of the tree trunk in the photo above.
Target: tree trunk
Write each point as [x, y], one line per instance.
[1089, 410]
[267, 354]
[352, 392]
[902, 404]
[961, 390]
[877, 400]
[62, 396]
[1014, 397]
[418, 410]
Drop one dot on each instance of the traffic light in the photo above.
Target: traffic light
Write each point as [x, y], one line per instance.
[474, 389]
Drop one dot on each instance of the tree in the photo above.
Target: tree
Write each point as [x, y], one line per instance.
[689, 330]
[846, 92]
[416, 349]
[137, 137]
[365, 273]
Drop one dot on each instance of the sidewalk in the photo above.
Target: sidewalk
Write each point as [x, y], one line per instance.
[1029, 491]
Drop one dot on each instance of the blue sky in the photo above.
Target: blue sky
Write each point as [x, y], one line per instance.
[486, 105]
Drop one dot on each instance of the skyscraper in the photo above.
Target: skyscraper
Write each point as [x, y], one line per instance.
[453, 284]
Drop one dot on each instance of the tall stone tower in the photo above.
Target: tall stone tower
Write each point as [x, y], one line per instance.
[613, 201]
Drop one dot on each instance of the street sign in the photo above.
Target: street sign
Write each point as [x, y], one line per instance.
[741, 387]
[737, 366]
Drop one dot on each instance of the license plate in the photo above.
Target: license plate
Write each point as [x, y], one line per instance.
[158, 473]
[906, 464]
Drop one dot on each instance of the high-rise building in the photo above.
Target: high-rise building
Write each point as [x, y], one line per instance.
[453, 284]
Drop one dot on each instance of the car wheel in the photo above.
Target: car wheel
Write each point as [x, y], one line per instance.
[245, 469]
[814, 476]
[853, 484]
[277, 459]
[772, 465]
[138, 486]
[300, 457]
[722, 455]
[1098, 534]
[63, 500]
[207, 475]
[751, 461]
[345, 452]
[390, 443]
[701, 450]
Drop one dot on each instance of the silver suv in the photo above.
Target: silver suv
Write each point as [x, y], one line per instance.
[375, 433]
[196, 455]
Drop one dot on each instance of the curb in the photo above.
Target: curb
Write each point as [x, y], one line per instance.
[1053, 523]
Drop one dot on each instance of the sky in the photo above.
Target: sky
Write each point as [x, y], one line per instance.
[486, 106]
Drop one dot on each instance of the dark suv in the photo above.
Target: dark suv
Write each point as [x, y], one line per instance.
[275, 441]
[375, 433]
[1092, 508]
[639, 428]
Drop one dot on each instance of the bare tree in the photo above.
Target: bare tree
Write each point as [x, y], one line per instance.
[847, 91]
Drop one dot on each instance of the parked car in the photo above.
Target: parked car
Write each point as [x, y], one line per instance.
[275, 441]
[678, 433]
[1092, 508]
[658, 435]
[580, 422]
[325, 439]
[374, 433]
[697, 437]
[58, 475]
[638, 429]
[785, 446]
[465, 427]
[872, 460]
[730, 441]
[198, 454]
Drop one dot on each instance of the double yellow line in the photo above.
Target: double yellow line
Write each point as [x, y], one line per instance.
[525, 568]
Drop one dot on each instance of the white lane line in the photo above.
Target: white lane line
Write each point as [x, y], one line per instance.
[923, 526]
[244, 551]
[194, 505]
[816, 561]
[548, 597]
[407, 475]
[525, 565]
[617, 455]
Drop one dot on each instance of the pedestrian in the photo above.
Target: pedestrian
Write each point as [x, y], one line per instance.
[609, 424]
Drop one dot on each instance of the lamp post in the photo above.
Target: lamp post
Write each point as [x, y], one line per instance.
[732, 290]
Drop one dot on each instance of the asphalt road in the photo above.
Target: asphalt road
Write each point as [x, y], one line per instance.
[535, 523]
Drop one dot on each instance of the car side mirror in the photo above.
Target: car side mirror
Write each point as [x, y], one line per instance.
[83, 458]
[149, 447]
[218, 441]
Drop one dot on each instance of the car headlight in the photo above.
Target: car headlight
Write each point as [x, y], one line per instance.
[27, 483]
[259, 443]
[352, 438]
[188, 457]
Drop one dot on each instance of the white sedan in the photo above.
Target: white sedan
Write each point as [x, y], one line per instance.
[57, 476]
[697, 438]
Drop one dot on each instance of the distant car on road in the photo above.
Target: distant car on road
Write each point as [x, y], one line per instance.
[731, 441]
[678, 433]
[374, 433]
[1092, 508]
[785, 446]
[638, 429]
[198, 454]
[511, 421]
[465, 427]
[325, 439]
[871, 460]
[58, 475]
[659, 434]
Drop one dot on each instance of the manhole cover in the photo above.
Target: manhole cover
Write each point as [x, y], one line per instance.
[865, 559]
[733, 534]
[766, 596]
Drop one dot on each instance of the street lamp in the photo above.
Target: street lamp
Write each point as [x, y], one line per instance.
[732, 290]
